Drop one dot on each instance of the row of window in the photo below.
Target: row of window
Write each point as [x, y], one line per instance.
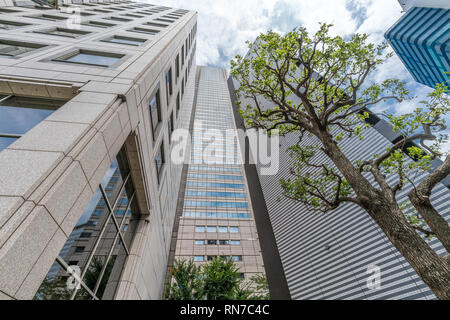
[210, 258]
[214, 185]
[217, 242]
[155, 105]
[221, 229]
[213, 176]
[216, 215]
[215, 204]
[195, 193]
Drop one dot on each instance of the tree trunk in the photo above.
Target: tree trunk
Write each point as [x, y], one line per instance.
[384, 210]
[420, 198]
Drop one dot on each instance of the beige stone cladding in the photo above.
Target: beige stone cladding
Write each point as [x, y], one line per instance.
[48, 176]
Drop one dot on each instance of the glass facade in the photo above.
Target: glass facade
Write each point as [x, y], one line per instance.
[20, 114]
[97, 249]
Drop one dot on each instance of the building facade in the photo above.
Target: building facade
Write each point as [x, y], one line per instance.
[421, 39]
[215, 212]
[90, 94]
[333, 255]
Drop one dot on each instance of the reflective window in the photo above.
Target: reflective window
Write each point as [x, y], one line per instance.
[170, 125]
[155, 111]
[199, 242]
[199, 258]
[160, 160]
[200, 229]
[234, 229]
[7, 25]
[144, 30]
[211, 229]
[15, 48]
[99, 244]
[88, 57]
[19, 114]
[223, 229]
[168, 84]
[125, 40]
[63, 32]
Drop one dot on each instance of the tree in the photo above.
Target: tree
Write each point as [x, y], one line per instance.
[216, 280]
[315, 86]
[185, 282]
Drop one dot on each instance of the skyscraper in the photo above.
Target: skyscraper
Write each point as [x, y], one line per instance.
[331, 255]
[215, 212]
[90, 94]
[421, 39]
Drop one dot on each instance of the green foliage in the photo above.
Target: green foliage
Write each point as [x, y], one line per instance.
[186, 283]
[314, 85]
[216, 280]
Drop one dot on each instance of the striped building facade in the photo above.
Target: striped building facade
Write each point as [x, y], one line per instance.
[421, 38]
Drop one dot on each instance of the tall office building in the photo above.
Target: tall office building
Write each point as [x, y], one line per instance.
[421, 39]
[215, 212]
[90, 94]
[329, 255]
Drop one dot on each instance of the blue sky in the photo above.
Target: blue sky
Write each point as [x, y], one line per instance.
[225, 25]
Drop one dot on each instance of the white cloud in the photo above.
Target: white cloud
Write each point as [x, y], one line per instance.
[224, 26]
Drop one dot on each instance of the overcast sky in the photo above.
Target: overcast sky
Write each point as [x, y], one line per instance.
[225, 25]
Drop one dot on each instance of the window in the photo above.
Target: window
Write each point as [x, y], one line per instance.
[155, 112]
[89, 57]
[182, 56]
[212, 242]
[85, 234]
[125, 40]
[236, 258]
[200, 229]
[112, 236]
[45, 16]
[168, 84]
[16, 48]
[8, 25]
[178, 103]
[241, 276]
[223, 229]
[132, 15]
[63, 32]
[153, 24]
[160, 160]
[177, 67]
[199, 258]
[211, 229]
[223, 242]
[170, 125]
[234, 229]
[235, 242]
[99, 24]
[199, 242]
[182, 88]
[118, 19]
[144, 30]
[92, 223]
[19, 114]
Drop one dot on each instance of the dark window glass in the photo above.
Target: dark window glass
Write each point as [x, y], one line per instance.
[100, 249]
[168, 84]
[171, 125]
[155, 111]
[160, 160]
